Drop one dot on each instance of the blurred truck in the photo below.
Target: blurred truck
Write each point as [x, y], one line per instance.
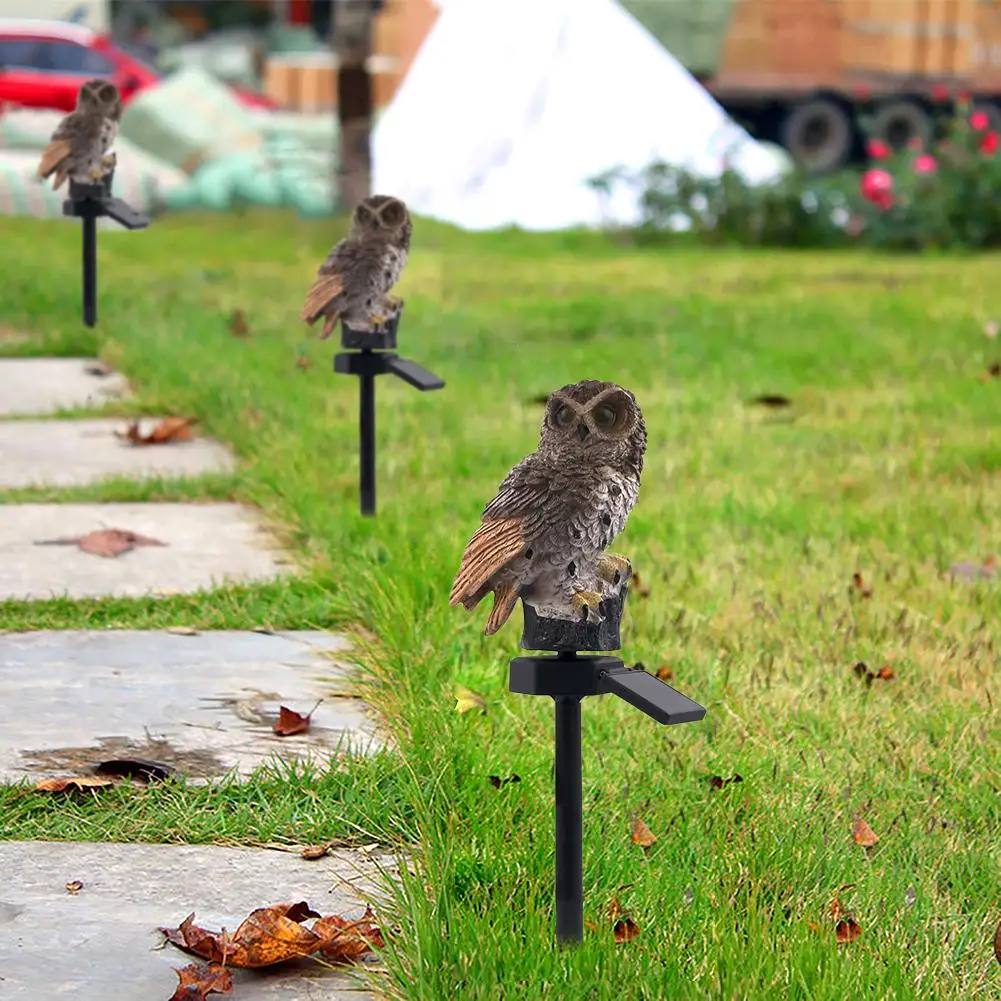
[801, 72]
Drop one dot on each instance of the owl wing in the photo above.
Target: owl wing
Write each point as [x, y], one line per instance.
[521, 512]
[343, 268]
[60, 146]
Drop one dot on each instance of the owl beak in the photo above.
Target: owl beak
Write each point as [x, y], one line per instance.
[582, 431]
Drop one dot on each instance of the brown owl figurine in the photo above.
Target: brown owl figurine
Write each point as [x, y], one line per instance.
[542, 538]
[79, 147]
[353, 283]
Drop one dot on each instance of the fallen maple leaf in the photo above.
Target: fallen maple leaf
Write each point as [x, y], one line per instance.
[276, 934]
[641, 834]
[167, 432]
[859, 585]
[467, 700]
[863, 834]
[496, 781]
[238, 324]
[885, 673]
[196, 983]
[313, 852]
[290, 722]
[625, 930]
[716, 782]
[74, 888]
[107, 542]
[76, 783]
[847, 930]
[665, 673]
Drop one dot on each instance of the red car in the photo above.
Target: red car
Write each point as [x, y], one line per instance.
[43, 64]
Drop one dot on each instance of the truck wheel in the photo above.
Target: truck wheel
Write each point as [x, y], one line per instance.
[898, 122]
[818, 134]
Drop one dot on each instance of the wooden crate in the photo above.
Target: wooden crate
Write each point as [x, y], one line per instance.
[882, 36]
[984, 50]
[806, 37]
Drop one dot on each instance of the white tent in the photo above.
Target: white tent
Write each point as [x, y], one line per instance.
[512, 105]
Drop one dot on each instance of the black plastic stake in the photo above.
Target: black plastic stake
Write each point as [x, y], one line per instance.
[367, 442]
[368, 359]
[88, 203]
[89, 270]
[569, 822]
[567, 678]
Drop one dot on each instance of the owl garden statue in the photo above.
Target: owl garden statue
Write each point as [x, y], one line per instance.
[353, 283]
[79, 148]
[543, 537]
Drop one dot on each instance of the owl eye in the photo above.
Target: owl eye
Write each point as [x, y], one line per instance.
[391, 214]
[604, 416]
[362, 214]
[563, 416]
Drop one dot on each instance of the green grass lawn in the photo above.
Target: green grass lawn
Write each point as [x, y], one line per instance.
[750, 526]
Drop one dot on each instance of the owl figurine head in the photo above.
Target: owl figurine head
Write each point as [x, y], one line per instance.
[382, 216]
[100, 97]
[595, 423]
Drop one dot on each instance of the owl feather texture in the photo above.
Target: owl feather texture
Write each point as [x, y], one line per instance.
[352, 285]
[80, 147]
[543, 537]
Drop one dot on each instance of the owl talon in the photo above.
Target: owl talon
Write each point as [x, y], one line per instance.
[613, 569]
[96, 174]
[587, 604]
[378, 321]
[109, 161]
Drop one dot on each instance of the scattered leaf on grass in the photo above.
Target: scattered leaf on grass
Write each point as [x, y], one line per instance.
[771, 400]
[290, 722]
[107, 542]
[167, 432]
[313, 852]
[991, 372]
[74, 888]
[136, 768]
[847, 930]
[496, 781]
[641, 834]
[885, 673]
[238, 323]
[75, 783]
[624, 929]
[196, 983]
[466, 700]
[276, 934]
[637, 588]
[303, 361]
[859, 585]
[863, 834]
[181, 631]
[664, 673]
[717, 782]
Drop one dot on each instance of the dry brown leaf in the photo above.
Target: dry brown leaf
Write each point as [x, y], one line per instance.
[276, 934]
[885, 673]
[625, 930]
[313, 852]
[641, 834]
[636, 587]
[238, 324]
[196, 983]
[75, 783]
[859, 585]
[496, 781]
[863, 834]
[717, 782]
[107, 542]
[665, 673]
[303, 362]
[847, 930]
[74, 888]
[290, 722]
[167, 432]
[836, 909]
[181, 631]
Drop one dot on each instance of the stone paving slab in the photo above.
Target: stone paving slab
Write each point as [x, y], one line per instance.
[65, 453]
[204, 704]
[102, 943]
[206, 544]
[45, 385]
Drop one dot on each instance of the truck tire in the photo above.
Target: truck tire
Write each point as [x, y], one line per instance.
[898, 122]
[818, 134]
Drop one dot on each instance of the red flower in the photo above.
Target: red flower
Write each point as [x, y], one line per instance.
[990, 143]
[876, 186]
[925, 164]
[980, 120]
[877, 149]
[939, 93]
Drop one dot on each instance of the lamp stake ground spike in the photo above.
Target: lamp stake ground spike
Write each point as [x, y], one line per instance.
[369, 356]
[88, 203]
[568, 678]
